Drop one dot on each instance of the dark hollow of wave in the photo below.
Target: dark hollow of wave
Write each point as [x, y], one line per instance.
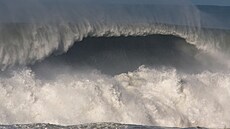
[115, 55]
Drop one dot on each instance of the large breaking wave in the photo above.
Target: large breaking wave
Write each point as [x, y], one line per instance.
[35, 29]
[151, 62]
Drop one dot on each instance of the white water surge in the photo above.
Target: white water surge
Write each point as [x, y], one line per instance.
[146, 96]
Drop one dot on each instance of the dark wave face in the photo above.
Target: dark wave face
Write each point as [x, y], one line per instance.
[151, 62]
[116, 55]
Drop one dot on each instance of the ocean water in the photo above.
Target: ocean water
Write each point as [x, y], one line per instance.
[156, 63]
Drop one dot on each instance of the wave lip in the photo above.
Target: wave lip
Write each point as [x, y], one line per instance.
[23, 44]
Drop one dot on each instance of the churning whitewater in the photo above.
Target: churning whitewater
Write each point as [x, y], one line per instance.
[146, 96]
[159, 63]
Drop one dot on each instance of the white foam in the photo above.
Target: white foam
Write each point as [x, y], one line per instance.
[146, 96]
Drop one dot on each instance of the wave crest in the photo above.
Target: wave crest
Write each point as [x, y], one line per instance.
[23, 44]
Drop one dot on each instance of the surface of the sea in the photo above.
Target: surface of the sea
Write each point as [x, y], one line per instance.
[90, 126]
